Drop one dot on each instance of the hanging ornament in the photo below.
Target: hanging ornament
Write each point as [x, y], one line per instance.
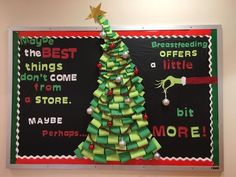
[110, 92]
[112, 46]
[145, 116]
[118, 79]
[122, 143]
[90, 110]
[91, 146]
[136, 71]
[127, 100]
[125, 55]
[157, 156]
[166, 101]
[99, 65]
[103, 34]
[109, 123]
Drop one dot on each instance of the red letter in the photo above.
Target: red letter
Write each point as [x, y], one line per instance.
[56, 53]
[158, 132]
[73, 51]
[64, 54]
[46, 52]
[182, 131]
[45, 132]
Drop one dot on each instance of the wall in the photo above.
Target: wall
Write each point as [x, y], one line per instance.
[122, 13]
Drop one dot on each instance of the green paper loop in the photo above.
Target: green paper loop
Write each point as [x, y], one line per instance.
[102, 139]
[100, 158]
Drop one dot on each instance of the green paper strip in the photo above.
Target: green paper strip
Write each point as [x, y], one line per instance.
[133, 89]
[104, 123]
[103, 132]
[140, 79]
[135, 79]
[113, 139]
[117, 122]
[111, 85]
[137, 116]
[157, 144]
[112, 76]
[139, 87]
[123, 106]
[123, 90]
[142, 123]
[116, 91]
[106, 117]
[110, 64]
[134, 137]
[151, 147]
[122, 62]
[94, 103]
[129, 70]
[87, 154]
[96, 110]
[133, 94]
[113, 157]
[137, 153]
[124, 128]
[125, 80]
[96, 116]
[98, 150]
[96, 123]
[114, 106]
[104, 58]
[115, 113]
[85, 145]
[127, 120]
[144, 132]
[124, 157]
[142, 142]
[115, 130]
[126, 139]
[91, 138]
[104, 108]
[103, 99]
[101, 19]
[91, 129]
[135, 127]
[142, 93]
[97, 93]
[139, 100]
[131, 146]
[100, 158]
[78, 153]
[132, 104]
[102, 139]
[102, 86]
[139, 109]
[148, 156]
[129, 74]
[127, 111]
[109, 151]
[99, 81]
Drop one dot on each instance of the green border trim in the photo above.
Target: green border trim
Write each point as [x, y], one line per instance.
[215, 99]
[14, 96]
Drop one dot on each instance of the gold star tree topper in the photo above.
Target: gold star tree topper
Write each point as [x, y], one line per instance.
[95, 12]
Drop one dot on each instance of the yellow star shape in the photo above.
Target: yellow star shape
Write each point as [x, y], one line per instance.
[95, 12]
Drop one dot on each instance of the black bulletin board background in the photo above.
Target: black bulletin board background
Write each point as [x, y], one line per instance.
[80, 93]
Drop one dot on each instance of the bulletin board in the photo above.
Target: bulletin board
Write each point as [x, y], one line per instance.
[54, 74]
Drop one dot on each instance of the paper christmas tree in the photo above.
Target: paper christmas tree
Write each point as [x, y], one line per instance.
[118, 130]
